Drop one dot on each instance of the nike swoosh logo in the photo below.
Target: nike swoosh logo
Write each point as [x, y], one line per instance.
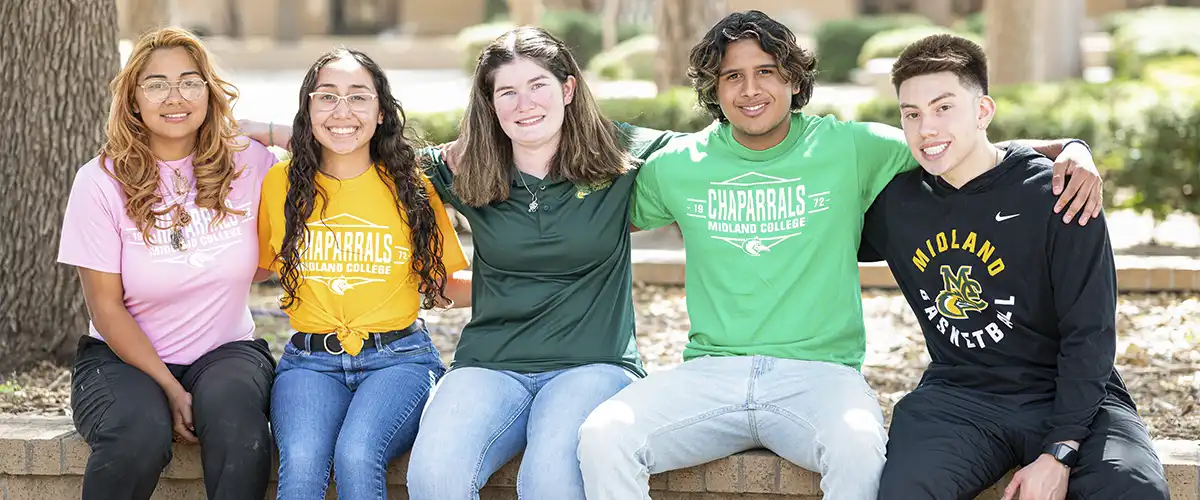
[1002, 218]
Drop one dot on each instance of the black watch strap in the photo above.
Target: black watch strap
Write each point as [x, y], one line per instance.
[1063, 453]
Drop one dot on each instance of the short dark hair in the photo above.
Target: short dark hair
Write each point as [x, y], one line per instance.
[796, 65]
[939, 53]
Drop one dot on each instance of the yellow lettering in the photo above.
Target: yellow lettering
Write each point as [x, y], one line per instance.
[985, 251]
[969, 244]
[995, 267]
[941, 242]
[920, 260]
[953, 238]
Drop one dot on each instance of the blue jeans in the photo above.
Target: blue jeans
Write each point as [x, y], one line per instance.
[355, 413]
[478, 419]
[820, 416]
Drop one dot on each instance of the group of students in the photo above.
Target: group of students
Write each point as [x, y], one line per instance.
[185, 208]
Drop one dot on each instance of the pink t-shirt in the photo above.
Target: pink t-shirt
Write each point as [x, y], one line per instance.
[187, 302]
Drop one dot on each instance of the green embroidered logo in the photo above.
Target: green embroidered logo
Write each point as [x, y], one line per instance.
[583, 190]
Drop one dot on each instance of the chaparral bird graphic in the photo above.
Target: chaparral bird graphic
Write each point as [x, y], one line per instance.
[960, 294]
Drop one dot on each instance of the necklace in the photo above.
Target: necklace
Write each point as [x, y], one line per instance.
[533, 205]
[181, 186]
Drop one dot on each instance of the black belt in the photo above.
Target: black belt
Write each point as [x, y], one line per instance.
[329, 343]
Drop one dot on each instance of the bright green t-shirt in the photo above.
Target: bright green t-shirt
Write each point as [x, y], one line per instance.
[771, 237]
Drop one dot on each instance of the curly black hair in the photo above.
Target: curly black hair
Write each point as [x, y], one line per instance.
[796, 65]
[395, 160]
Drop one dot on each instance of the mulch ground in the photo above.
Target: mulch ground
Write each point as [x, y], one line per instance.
[1158, 352]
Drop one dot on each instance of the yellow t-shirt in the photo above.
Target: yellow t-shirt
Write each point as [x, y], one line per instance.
[356, 275]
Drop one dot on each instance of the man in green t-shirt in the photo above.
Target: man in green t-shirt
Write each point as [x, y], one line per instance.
[770, 203]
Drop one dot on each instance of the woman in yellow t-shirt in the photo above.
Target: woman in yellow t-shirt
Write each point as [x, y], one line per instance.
[361, 243]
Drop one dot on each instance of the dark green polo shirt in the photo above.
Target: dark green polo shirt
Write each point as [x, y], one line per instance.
[551, 289]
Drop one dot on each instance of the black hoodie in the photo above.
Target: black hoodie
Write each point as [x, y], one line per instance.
[1012, 301]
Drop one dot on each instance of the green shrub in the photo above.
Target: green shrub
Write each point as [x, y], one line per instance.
[1160, 161]
[1142, 35]
[473, 39]
[672, 110]
[889, 44]
[580, 31]
[633, 59]
[583, 32]
[839, 42]
[973, 23]
[1144, 137]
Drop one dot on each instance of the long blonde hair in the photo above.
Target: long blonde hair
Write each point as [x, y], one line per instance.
[127, 141]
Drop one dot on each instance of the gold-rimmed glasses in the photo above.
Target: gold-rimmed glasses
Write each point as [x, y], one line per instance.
[189, 88]
[326, 101]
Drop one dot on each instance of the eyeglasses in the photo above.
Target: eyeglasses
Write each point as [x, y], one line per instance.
[158, 91]
[325, 101]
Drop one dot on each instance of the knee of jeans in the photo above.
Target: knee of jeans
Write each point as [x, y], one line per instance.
[610, 429]
[358, 457]
[430, 479]
[862, 446]
[1119, 480]
[137, 439]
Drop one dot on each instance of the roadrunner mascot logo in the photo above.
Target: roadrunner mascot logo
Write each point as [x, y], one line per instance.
[960, 293]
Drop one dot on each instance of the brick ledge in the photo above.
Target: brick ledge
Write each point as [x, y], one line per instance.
[44, 455]
[1134, 273]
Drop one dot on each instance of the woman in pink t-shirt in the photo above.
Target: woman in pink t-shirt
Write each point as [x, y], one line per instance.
[161, 228]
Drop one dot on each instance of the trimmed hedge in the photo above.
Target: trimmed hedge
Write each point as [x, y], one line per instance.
[674, 109]
[1144, 137]
[889, 44]
[1142, 35]
[633, 59]
[582, 32]
[839, 42]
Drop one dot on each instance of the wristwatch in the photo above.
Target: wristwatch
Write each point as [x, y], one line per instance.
[1063, 453]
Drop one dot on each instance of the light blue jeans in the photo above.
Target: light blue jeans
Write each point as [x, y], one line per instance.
[479, 419]
[819, 416]
[355, 413]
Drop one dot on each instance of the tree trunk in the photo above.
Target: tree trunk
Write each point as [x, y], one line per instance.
[60, 101]
[1033, 40]
[680, 24]
[141, 16]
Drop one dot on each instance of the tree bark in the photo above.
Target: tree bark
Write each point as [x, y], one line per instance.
[680, 24]
[59, 100]
[141, 16]
[1033, 40]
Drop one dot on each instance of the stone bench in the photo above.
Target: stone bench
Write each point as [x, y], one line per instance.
[44, 458]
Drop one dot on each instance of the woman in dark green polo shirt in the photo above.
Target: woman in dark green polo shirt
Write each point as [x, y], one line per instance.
[544, 181]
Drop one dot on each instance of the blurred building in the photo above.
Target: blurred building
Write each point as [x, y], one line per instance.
[291, 19]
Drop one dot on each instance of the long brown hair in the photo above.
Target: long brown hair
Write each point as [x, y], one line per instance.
[589, 151]
[127, 141]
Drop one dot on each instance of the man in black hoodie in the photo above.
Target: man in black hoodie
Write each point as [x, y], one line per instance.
[1018, 310]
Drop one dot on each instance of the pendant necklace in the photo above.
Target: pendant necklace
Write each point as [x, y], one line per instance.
[533, 205]
[181, 218]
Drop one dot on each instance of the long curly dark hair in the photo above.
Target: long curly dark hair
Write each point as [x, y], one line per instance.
[395, 160]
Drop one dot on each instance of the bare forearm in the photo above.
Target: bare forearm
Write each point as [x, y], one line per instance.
[458, 289]
[126, 338]
[1049, 148]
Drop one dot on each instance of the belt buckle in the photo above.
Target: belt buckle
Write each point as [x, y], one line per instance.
[325, 344]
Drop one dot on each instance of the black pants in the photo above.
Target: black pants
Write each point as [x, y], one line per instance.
[947, 443]
[123, 415]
